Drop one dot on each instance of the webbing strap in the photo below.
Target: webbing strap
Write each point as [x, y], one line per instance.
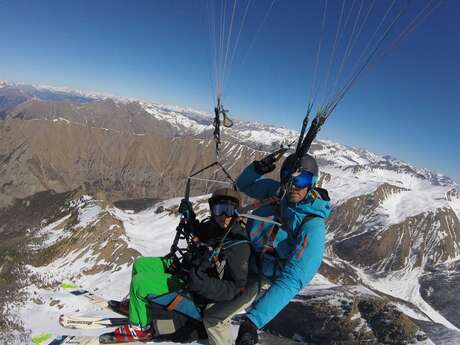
[305, 220]
[172, 306]
[229, 244]
[268, 247]
[272, 251]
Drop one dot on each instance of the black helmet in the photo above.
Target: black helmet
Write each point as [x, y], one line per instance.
[307, 162]
[225, 194]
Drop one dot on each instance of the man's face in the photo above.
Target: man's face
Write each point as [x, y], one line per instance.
[296, 195]
[223, 221]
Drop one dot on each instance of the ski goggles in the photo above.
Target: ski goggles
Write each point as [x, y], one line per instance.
[223, 208]
[300, 179]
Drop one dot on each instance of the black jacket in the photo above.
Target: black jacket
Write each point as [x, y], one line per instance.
[235, 251]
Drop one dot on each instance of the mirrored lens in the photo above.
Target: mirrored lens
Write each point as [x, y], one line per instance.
[305, 179]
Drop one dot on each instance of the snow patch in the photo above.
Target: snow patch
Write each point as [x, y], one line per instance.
[405, 285]
[88, 214]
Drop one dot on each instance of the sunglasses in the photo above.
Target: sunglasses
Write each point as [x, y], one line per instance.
[300, 180]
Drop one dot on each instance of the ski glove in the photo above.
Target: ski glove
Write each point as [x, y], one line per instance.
[247, 334]
[186, 209]
[265, 165]
[197, 278]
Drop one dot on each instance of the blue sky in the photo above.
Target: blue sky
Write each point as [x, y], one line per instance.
[407, 105]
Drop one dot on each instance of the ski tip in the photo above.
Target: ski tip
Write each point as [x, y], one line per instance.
[79, 292]
[69, 285]
[63, 323]
[41, 338]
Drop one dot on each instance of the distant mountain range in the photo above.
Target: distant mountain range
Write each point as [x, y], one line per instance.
[395, 228]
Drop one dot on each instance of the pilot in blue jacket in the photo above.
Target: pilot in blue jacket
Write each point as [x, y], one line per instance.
[288, 255]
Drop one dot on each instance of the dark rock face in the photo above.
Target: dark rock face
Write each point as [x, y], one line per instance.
[337, 316]
[439, 334]
[440, 288]
[136, 205]
[390, 326]
[453, 194]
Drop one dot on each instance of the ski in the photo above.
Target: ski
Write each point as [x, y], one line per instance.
[88, 340]
[75, 340]
[75, 321]
[101, 302]
[92, 298]
[81, 340]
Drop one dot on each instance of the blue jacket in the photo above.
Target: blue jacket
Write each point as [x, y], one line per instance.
[300, 248]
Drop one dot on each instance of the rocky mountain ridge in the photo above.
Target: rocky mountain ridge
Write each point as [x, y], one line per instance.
[57, 155]
[140, 117]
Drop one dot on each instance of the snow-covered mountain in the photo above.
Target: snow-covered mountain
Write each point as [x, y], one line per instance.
[55, 93]
[186, 122]
[91, 244]
[395, 228]
[47, 102]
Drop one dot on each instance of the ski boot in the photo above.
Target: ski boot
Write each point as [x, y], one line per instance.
[120, 307]
[127, 334]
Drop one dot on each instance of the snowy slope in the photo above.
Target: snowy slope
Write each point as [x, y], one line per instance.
[422, 194]
[149, 232]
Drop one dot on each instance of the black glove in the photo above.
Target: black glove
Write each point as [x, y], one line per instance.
[265, 165]
[197, 278]
[186, 208]
[247, 334]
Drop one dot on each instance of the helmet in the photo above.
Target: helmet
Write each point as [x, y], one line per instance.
[225, 194]
[307, 163]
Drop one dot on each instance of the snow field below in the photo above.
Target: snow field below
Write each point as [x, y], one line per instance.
[421, 196]
[405, 286]
[148, 232]
[151, 233]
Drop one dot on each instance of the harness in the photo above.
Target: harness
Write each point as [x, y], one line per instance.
[216, 256]
[269, 247]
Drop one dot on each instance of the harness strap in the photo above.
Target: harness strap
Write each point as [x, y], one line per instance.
[268, 247]
[305, 220]
[172, 306]
[270, 250]
[230, 244]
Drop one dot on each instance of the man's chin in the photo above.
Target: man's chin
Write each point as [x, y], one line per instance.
[294, 198]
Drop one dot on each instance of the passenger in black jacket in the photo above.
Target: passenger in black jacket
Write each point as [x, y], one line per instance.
[224, 276]
[215, 271]
[223, 281]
